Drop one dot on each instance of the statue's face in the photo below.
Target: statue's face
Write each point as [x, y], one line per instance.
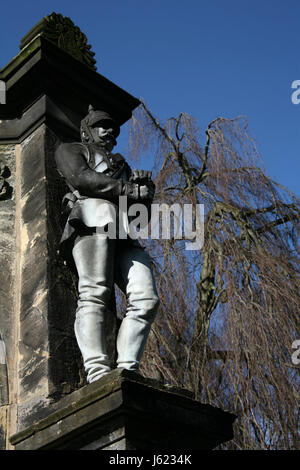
[104, 133]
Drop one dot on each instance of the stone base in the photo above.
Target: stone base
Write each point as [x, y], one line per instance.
[125, 411]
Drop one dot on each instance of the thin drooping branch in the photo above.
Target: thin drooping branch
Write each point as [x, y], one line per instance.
[230, 311]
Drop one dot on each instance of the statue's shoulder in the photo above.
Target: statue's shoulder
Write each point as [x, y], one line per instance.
[71, 147]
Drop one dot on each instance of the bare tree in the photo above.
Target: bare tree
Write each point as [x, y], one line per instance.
[229, 312]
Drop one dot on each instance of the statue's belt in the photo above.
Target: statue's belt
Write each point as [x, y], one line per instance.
[69, 201]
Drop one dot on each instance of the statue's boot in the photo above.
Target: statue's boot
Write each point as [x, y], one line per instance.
[138, 284]
[94, 259]
[131, 342]
[89, 331]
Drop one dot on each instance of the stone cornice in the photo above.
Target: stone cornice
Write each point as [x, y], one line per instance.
[43, 69]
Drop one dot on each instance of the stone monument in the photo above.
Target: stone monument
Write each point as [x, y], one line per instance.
[45, 401]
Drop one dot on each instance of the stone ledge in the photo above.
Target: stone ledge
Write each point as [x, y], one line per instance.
[125, 411]
[42, 68]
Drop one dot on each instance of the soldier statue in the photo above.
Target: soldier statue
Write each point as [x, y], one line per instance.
[97, 178]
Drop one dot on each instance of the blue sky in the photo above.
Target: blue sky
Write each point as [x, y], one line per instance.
[207, 58]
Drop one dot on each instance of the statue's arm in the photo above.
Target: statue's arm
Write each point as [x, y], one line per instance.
[72, 165]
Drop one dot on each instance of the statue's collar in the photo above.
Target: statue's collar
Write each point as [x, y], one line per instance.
[98, 147]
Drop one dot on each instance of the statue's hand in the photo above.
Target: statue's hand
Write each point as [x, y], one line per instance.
[146, 185]
[147, 192]
[140, 176]
[131, 190]
[137, 191]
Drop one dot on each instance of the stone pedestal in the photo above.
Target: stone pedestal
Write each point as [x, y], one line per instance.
[124, 411]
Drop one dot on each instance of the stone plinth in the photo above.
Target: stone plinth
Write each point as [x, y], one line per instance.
[124, 411]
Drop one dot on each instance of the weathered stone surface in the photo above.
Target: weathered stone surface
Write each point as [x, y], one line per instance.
[33, 288]
[47, 366]
[7, 273]
[125, 411]
[37, 296]
[3, 426]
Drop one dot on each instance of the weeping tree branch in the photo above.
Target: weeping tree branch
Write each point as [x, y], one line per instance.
[237, 300]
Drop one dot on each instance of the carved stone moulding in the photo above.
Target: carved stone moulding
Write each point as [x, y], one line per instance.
[61, 31]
